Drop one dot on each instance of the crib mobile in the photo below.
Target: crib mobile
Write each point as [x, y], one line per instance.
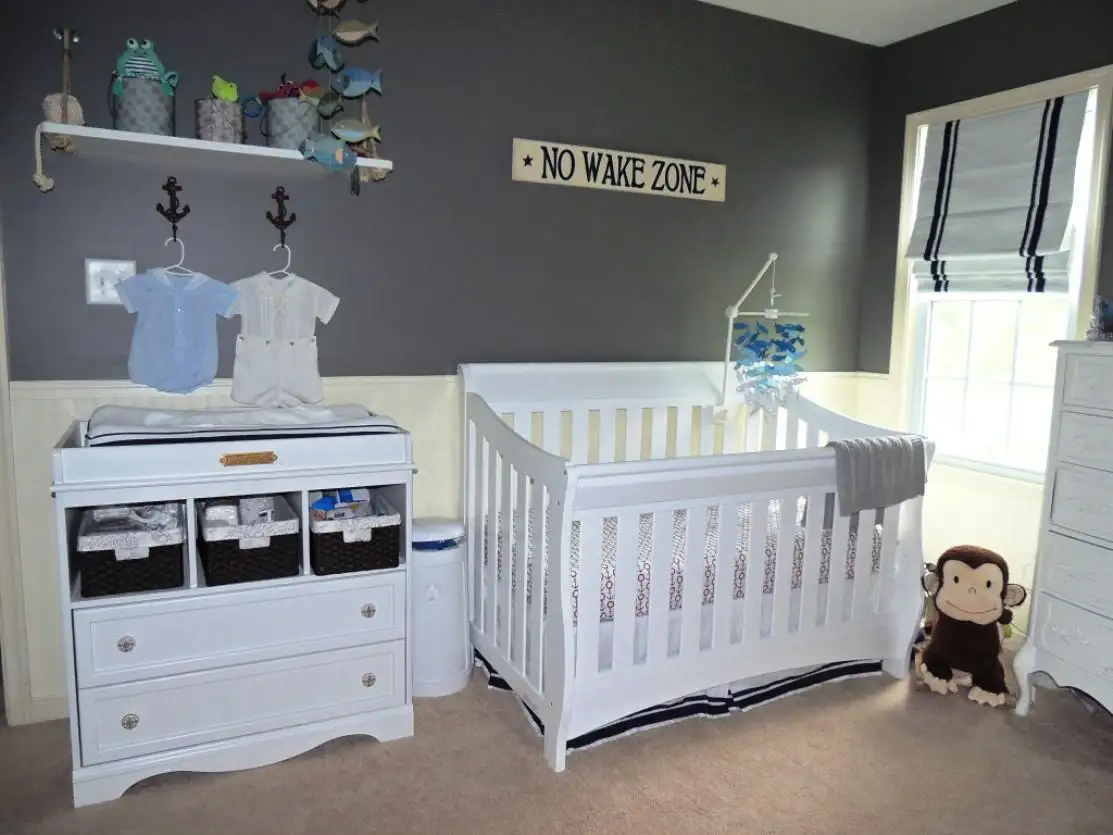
[767, 366]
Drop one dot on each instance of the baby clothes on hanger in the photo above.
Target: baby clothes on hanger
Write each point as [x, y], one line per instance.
[173, 345]
[276, 350]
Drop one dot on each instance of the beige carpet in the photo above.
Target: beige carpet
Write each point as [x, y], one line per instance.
[863, 756]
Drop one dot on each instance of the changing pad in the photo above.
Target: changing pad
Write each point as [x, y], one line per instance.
[134, 425]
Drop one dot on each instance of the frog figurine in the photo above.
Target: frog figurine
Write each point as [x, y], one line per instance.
[140, 61]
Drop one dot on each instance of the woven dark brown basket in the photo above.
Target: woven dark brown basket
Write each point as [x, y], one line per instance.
[225, 562]
[102, 574]
[330, 554]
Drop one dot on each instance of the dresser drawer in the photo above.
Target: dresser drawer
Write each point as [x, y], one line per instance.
[1075, 635]
[129, 720]
[1088, 381]
[1083, 500]
[1078, 572]
[1086, 440]
[130, 642]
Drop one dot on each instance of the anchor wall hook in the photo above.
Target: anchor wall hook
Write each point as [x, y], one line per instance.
[280, 220]
[176, 211]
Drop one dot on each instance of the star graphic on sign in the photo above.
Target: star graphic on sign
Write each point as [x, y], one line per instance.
[527, 160]
[714, 182]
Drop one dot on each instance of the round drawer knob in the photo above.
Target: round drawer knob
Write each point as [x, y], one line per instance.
[369, 679]
[129, 721]
[368, 610]
[126, 644]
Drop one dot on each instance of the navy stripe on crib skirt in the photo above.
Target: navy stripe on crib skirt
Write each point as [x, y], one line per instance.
[696, 706]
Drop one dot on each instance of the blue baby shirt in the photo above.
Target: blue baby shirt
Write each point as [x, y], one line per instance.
[173, 345]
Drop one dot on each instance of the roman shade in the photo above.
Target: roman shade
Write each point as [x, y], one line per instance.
[994, 205]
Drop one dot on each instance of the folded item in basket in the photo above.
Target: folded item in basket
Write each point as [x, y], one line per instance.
[879, 472]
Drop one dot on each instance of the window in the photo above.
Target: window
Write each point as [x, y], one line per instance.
[982, 369]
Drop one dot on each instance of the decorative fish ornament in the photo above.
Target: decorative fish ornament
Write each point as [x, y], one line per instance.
[328, 152]
[225, 90]
[355, 82]
[355, 32]
[327, 7]
[325, 52]
[330, 104]
[356, 130]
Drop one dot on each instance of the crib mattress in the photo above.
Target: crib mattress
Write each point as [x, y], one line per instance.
[679, 535]
[131, 424]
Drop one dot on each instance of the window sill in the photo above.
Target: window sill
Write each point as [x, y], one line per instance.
[987, 468]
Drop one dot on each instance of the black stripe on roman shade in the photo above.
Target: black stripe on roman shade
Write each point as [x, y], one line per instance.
[993, 212]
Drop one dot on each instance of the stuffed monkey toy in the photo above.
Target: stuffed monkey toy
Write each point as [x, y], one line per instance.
[970, 589]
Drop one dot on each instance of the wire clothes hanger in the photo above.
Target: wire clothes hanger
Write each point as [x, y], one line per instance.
[174, 214]
[280, 220]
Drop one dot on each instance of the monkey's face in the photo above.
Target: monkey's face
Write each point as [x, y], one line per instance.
[975, 595]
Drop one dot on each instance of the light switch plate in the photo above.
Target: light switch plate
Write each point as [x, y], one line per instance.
[102, 276]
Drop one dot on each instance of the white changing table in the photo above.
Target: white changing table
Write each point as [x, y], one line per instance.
[237, 676]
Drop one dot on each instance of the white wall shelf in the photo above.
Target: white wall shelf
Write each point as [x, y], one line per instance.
[104, 143]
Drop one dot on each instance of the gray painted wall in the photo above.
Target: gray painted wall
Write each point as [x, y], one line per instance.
[449, 261]
[1015, 45]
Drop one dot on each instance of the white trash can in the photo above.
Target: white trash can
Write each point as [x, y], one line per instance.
[443, 657]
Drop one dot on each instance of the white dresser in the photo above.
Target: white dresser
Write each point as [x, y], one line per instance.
[1071, 622]
[218, 677]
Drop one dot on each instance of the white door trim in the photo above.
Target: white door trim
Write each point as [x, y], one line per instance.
[13, 624]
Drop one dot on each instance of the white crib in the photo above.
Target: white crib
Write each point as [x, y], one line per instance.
[612, 456]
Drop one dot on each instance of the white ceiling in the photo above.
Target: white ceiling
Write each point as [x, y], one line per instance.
[877, 22]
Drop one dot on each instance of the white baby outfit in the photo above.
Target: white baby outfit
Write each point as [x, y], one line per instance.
[276, 350]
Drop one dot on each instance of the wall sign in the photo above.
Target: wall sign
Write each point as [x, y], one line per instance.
[554, 163]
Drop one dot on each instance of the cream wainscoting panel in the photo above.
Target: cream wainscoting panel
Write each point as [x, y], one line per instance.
[964, 506]
[41, 411]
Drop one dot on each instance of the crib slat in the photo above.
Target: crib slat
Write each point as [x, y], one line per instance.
[707, 431]
[890, 531]
[551, 432]
[606, 436]
[683, 431]
[634, 420]
[865, 579]
[730, 435]
[536, 575]
[836, 580]
[660, 581]
[812, 436]
[521, 566]
[498, 561]
[768, 430]
[625, 590]
[813, 561]
[755, 570]
[480, 543]
[589, 576]
[580, 436]
[726, 560]
[782, 574]
[695, 544]
[792, 431]
[553, 658]
[506, 529]
[659, 438]
[523, 425]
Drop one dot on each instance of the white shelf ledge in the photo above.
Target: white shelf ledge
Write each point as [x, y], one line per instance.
[179, 150]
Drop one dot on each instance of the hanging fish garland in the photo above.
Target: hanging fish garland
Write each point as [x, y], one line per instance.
[355, 32]
[347, 140]
[355, 82]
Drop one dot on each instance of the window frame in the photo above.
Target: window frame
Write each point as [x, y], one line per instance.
[908, 345]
